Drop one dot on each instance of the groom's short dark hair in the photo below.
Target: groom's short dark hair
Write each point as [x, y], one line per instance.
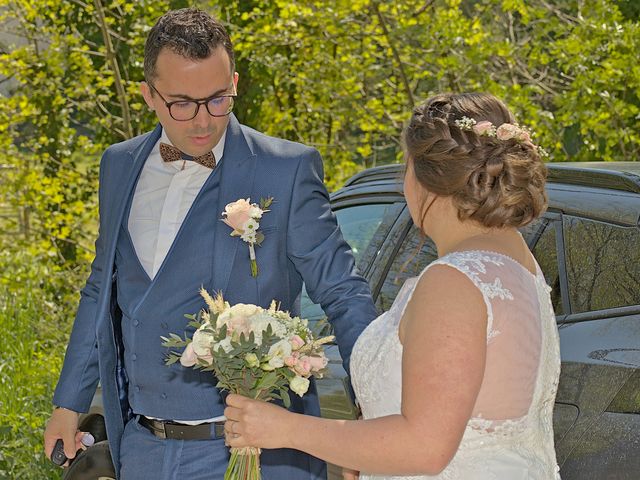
[189, 32]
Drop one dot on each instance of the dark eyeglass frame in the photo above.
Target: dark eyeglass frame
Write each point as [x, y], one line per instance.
[200, 102]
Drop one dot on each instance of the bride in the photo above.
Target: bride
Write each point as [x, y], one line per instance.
[458, 379]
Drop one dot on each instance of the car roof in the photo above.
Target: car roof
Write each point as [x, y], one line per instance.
[619, 181]
[624, 176]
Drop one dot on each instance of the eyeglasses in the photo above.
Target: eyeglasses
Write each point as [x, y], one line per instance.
[185, 110]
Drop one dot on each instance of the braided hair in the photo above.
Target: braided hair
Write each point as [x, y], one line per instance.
[497, 183]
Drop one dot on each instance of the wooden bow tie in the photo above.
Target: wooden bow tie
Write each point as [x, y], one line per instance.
[169, 153]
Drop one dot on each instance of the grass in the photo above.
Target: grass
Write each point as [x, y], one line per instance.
[34, 333]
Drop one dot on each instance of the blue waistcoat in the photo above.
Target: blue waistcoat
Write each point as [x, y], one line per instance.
[155, 308]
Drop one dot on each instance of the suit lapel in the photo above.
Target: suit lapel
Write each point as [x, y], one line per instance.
[136, 160]
[238, 171]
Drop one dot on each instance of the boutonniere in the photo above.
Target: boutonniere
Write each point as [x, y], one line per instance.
[244, 217]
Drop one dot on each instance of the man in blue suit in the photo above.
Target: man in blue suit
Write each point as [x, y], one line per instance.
[161, 237]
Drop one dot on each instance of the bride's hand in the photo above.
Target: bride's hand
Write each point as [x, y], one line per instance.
[348, 474]
[254, 423]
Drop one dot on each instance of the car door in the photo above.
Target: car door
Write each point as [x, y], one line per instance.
[600, 345]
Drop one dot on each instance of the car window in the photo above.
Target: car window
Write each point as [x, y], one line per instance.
[364, 228]
[359, 225]
[546, 253]
[414, 254]
[531, 230]
[417, 251]
[603, 264]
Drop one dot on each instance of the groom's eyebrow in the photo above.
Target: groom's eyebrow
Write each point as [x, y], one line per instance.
[182, 96]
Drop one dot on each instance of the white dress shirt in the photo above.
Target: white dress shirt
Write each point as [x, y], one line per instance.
[164, 194]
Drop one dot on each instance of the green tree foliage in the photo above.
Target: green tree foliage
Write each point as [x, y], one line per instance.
[342, 75]
[75, 77]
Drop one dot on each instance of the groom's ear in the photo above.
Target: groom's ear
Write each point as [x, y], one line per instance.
[146, 94]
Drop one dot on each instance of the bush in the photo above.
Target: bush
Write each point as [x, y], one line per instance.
[36, 311]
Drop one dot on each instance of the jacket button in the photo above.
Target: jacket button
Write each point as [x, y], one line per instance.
[164, 395]
[134, 357]
[137, 388]
[136, 323]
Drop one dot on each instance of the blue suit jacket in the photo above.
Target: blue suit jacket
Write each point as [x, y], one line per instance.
[303, 243]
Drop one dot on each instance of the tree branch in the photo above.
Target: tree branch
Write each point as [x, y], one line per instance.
[396, 55]
[112, 59]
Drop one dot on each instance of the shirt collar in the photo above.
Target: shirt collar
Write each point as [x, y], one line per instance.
[218, 149]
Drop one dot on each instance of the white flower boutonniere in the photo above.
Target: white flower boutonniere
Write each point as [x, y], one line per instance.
[244, 217]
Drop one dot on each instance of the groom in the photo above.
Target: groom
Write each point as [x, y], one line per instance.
[161, 238]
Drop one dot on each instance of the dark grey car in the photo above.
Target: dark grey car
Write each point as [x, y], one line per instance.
[588, 246]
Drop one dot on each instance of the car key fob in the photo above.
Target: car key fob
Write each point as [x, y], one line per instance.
[57, 455]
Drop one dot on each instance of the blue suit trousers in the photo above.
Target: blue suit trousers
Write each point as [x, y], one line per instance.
[144, 456]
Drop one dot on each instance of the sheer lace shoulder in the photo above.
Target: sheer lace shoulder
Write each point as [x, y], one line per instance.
[511, 426]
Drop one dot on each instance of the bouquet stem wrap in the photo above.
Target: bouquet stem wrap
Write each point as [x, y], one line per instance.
[244, 464]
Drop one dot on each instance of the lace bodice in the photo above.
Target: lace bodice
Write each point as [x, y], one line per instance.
[510, 433]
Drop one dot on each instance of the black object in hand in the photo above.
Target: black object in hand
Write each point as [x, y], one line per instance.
[57, 455]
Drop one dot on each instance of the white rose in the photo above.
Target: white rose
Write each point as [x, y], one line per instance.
[202, 342]
[299, 385]
[278, 352]
[244, 309]
[225, 344]
[261, 321]
[238, 318]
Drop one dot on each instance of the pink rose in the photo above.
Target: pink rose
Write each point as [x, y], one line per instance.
[303, 367]
[188, 357]
[296, 342]
[318, 363]
[483, 128]
[237, 214]
[507, 131]
[292, 360]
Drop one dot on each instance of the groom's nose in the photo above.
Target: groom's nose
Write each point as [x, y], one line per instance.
[202, 119]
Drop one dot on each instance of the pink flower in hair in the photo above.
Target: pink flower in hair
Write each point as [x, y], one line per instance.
[483, 128]
[507, 131]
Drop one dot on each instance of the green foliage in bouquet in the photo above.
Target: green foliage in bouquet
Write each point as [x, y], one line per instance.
[242, 369]
[256, 352]
[251, 351]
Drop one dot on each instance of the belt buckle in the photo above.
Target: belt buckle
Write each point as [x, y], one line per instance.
[162, 433]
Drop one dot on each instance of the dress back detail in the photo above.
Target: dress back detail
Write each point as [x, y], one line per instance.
[510, 433]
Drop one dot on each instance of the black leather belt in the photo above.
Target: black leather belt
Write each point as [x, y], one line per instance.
[180, 431]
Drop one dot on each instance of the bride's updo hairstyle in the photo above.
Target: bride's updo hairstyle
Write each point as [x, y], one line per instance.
[494, 179]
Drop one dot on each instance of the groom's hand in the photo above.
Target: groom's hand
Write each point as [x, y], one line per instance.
[63, 424]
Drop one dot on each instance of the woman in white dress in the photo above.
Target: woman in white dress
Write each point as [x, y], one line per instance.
[458, 379]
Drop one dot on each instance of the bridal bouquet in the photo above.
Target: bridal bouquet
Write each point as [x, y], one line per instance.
[256, 352]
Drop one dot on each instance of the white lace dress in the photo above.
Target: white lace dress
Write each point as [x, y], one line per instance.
[510, 433]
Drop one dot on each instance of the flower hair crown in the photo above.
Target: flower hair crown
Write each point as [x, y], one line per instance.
[506, 131]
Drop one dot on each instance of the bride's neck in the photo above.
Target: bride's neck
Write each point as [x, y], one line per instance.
[450, 234]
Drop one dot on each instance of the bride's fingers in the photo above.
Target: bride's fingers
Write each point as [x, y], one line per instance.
[348, 474]
[232, 413]
[235, 400]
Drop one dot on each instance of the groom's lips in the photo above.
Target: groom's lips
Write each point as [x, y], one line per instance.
[201, 140]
